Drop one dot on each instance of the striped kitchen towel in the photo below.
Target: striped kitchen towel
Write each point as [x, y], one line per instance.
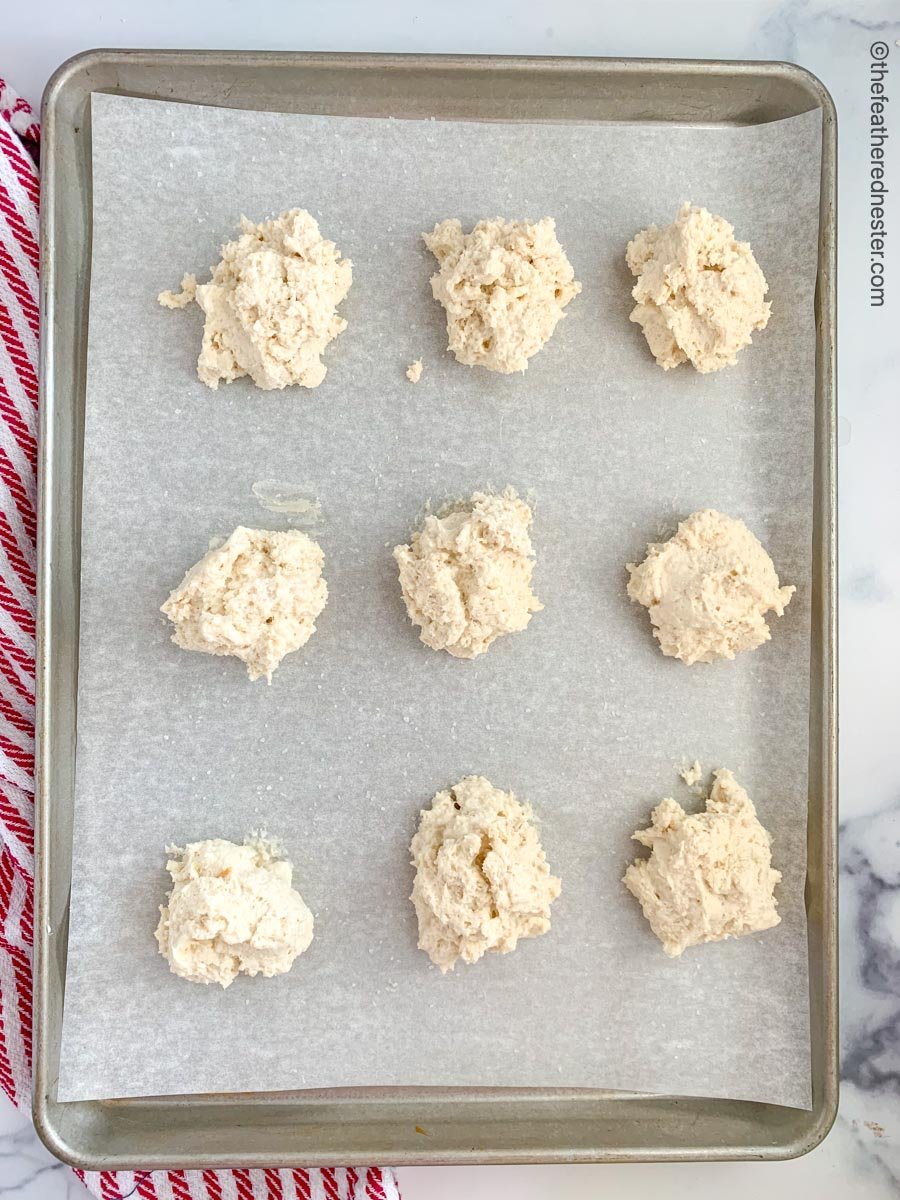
[19, 194]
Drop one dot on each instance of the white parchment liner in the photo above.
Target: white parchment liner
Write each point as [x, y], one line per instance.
[581, 715]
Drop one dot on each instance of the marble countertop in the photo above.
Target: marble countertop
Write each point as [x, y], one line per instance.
[861, 1157]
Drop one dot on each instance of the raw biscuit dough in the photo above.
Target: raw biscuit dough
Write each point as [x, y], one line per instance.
[700, 294]
[692, 774]
[466, 576]
[709, 876]
[708, 589]
[270, 305]
[231, 910]
[414, 371]
[503, 286]
[482, 880]
[256, 597]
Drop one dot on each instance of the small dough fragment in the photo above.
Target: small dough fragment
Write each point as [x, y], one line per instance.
[231, 911]
[482, 879]
[692, 774]
[270, 305]
[700, 294]
[414, 371]
[256, 597]
[709, 876]
[504, 287]
[466, 575]
[708, 589]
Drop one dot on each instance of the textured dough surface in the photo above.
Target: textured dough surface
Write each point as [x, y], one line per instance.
[708, 589]
[503, 286]
[709, 876]
[270, 305]
[466, 576]
[699, 292]
[256, 597]
[482, 879]
[231, 911]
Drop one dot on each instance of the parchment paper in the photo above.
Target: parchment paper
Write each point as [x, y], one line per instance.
[581, 715]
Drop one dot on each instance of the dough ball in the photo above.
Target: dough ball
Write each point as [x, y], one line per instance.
[504, 287]
[466, 576]
[256, 596]
[482, 880]
[270, 305]
[700, 294]
[231, 911]
[709, 876]
[708, 589]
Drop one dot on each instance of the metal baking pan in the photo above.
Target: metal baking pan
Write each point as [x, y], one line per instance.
[400, 1126]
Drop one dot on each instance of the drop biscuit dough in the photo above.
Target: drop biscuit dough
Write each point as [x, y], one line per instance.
[482, 879]
[466, 575]
[709, 876]
[270, 305]
[255, 597]
[708, 589]
[699, 292]
[232, 910]
[504, 288]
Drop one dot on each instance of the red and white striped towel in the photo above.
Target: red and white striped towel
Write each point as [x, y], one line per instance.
[19, 194]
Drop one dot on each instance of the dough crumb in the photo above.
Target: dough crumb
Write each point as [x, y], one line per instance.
[708, 589]
[504, 287]
[270, 305]
[414, 371]
[231, 911]
[482, 879]
[466, 576]
[709, 876]
[700, 294]
[181, 299]
[256, 597]
[692, 774]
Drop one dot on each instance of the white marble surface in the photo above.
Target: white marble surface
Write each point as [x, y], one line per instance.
[862, 1155]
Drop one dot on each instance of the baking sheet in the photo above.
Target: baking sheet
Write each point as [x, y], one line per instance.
[581, 714]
